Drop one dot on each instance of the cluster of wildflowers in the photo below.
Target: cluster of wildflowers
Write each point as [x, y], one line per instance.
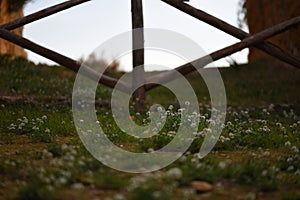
[65, 165]
[291, 162]
[35, 128]
[24, 125]
[257, 123]
[150, 184]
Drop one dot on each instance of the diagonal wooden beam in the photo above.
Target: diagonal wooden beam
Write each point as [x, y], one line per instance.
[201, 62]
[41, 14]
[265, 46]
[62, 60]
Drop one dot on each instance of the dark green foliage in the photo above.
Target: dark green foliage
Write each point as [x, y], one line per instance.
[34, 190]
[258, 150]
[290, 196]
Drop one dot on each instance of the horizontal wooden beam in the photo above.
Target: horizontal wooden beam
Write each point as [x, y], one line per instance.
[201, 62]
[62, 60]
[265, 46]
[41, 14]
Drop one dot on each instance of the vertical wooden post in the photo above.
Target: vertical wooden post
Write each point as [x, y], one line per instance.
[139, 95]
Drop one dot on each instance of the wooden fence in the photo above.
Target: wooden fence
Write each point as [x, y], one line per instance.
[258, 40]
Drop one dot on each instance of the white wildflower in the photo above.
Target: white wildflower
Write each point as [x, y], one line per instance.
[77, 186]
[119, 197]
[264, 173]
[231, 135]
[288, 143]
[295, 149]
[64, 147]
[290, 168]
[62, 181]
[47, 130]
[175, 172]
[266, 153]
[222, 165]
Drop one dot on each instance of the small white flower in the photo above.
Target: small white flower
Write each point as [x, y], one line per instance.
[47, 130]
[81, 163]
[187, 103]
[44, 117]
[71, 157]
[222, 165]
[222, 138]
[264, 173]
[25, 120]
[62, 180]
[266, 129]
[119, 197]
[288, 143]
[267, 153]
[182, 158]
[12, 163]
[50, 188]
[46, 180]
[66, 173]
[248, 131]
[193, 125]
[175, 172]
[265, 110]
[158, 124]
[77, 186]
[159, 109]
[231, 135]
[64, 147]
[156, 194]
[290, 168]
[229, 123]
[150, 150]
[295, 149]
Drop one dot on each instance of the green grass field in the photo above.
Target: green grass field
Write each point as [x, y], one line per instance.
[256, 157]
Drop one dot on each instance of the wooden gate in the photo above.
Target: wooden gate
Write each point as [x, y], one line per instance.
[258, 40]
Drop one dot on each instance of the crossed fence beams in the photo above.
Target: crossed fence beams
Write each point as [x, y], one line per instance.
[257, 40]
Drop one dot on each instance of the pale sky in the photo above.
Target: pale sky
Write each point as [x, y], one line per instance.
[78, 31]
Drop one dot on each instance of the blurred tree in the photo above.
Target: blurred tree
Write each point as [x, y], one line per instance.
[262, 14]
[101, 65]
[10, 10]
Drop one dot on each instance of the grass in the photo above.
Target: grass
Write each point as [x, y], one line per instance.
[256, 157]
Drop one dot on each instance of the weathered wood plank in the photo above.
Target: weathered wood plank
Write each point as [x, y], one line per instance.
[62, 60]
[41, 14]
[265, 46]
[201, 62]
